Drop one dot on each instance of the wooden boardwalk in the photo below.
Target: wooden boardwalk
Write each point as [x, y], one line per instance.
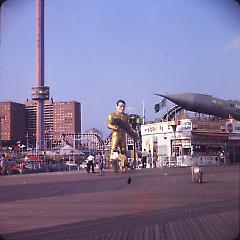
[158, 204]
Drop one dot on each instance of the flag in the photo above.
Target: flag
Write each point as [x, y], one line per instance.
[160, 105]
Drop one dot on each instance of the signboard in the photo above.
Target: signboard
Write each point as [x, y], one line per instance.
[154, 128]
[233, 127]
[208, 127]
[165, 127]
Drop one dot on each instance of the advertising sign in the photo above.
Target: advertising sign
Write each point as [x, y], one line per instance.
[233, 127]
[208, 127]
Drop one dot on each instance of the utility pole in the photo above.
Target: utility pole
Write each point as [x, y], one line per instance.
[174, 124]
[135, 121]
[27, 140]
[1, 117]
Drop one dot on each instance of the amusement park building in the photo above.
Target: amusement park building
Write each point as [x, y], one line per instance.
[193, 140]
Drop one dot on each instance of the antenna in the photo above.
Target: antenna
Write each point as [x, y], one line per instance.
[143, 113]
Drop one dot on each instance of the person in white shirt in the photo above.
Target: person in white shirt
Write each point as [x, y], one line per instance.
[144, 158]
[90, 163]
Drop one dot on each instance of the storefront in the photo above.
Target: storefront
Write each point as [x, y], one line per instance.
[183, 141]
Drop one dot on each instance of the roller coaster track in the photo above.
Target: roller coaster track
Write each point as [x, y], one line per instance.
[89, 140]
[170, 114]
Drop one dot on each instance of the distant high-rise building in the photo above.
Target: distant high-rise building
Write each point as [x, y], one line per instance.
[12, 122]
[31, 113]
[18, 121]
[66, 118]
[59, 118]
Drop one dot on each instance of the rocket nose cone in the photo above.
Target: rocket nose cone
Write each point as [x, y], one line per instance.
[171, 97]
[161, 95]
[182, 99]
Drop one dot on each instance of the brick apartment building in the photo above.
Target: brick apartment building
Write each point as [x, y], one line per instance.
[66, 118]
[31, 119]
[12, 122]
[18, 121]
[59, 118]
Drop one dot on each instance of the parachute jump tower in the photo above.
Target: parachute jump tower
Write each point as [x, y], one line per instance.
[40, 93]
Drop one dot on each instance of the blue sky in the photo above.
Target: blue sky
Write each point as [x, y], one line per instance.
[97, 52]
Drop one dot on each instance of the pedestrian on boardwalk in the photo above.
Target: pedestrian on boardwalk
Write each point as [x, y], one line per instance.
[115, 162]
[100, 163]
[90, 163]
[155, 158]
[150, 159]
[3, 165]
[196, 172]
[144, 158]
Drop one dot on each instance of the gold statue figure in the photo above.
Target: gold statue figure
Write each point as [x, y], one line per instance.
[118, 122]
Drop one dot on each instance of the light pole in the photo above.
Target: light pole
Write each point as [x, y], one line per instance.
[27, 140]
[135, 121]
[174, 127]
[1, 117]
[174, 124]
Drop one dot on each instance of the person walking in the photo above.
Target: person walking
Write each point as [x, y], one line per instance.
[100, 163]
[144, 158]
[90, 163]
[150, 159]
[3, 165]
[155, 158]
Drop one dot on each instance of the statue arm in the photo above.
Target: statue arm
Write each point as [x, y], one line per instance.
[111, 125]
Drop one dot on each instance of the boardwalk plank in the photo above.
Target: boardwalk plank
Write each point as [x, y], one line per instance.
[141, 234]
[184, 230]
[146, 233]
[221, 232]
[167, 232]
[208, 223]
[107, 237]
[195, 229]
[223, 229]
[130, 234]
[172, 231]
[205, 229]
[119, 235]
[178, 229]
[162, 231]
[151, 232]
[125, 234]
[156, 231]
[232, 222]
[114, 235]
[135, 234]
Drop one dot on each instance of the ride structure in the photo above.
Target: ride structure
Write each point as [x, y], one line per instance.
[40, 93]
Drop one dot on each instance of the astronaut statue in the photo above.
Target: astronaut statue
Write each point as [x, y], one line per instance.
[118, 122]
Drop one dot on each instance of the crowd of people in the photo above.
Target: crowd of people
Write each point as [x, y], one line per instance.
[93, 162]
[120, 163]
